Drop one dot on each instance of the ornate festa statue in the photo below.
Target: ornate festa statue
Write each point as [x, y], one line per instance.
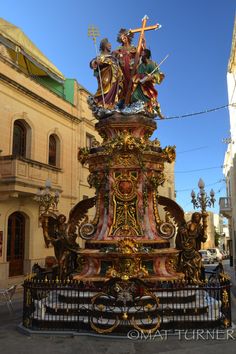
[144, 81]
[128, 236]
[126, 77]
[126, 56]
[110, 79]
[188, 240]
[127, 260]
[62, 235]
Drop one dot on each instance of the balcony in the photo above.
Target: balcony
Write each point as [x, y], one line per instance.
[225, 207]
[20, 176]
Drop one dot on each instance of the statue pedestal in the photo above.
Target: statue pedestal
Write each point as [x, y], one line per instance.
[128, 236]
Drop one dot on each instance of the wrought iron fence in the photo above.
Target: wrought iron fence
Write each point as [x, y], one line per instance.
[118, 306]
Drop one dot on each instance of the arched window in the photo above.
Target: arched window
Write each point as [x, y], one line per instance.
[53, 151]
[19, 139]
[89, 140]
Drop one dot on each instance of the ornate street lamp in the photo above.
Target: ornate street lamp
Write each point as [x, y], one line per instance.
[47, 200]
[202, 200]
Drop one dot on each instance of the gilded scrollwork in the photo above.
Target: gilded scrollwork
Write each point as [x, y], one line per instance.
[129, 266]
[116, 298]
[153, 321]
[86, 230]
[124, 141]
[83, 154]
[155, 143]
[125, 160]
[225, 298]
[148, 133]
[156, 180]
[125, 221]
[96, 180]
[169, 153]
[127, 246]
[226, 322]
[155, 208]
[172, 264]
[166, 230]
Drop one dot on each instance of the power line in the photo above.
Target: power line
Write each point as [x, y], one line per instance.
[193, 149]
[199, 169]
[192, 114]
[198, 113]
[190, 189]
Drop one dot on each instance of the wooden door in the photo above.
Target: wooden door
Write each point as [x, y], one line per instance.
[15, 244]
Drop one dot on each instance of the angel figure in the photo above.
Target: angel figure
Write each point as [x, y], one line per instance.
[62, 235]
[188, 240]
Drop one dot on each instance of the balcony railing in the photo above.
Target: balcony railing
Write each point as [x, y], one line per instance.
[225, 206]
[22, 175]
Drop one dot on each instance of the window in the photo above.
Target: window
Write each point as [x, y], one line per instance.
[19, 139]
[53, 152]
[89, 140]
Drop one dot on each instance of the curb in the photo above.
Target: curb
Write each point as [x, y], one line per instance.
[134, 334]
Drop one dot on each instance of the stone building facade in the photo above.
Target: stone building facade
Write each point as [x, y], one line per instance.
[228, 203]
[44, 119]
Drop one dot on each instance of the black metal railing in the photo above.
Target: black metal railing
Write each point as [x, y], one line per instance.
[119, 306]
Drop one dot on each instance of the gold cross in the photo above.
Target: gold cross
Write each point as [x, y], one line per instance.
[142, 31]
[137, 56]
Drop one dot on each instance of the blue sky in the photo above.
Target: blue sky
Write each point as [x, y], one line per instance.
[196, 34]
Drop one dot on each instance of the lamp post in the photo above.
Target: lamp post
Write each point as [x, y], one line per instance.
[46, 199]
[202, 200]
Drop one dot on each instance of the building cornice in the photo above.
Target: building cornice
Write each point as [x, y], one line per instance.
[232, 59]
[38, 98]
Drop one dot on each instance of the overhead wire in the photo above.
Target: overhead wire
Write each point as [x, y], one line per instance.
[207, 185]
[210, 110]
[197, 170]
[193, 149]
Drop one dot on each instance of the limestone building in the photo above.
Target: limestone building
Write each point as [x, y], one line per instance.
[44, 119]
[228, 204]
